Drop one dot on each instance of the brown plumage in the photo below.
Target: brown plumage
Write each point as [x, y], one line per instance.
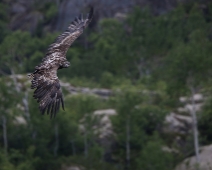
[48, 92]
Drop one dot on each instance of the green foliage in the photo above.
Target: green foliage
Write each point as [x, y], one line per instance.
[193, 58]
[204, 123]
[6, 98]
[146, 60]
[31, 53]
[140, 117]
[3, 20]
[152, 157]
[50, 10]
[107, 79]
[15, 49]
[5, 164]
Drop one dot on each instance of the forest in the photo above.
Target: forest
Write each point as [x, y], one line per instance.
[128, 74]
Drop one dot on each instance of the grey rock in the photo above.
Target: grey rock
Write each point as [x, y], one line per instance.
[205, 160]
[179, 124]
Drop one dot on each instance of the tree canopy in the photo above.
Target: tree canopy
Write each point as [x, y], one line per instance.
[147, 61]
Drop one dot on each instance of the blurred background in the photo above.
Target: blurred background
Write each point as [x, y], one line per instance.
[137, 93]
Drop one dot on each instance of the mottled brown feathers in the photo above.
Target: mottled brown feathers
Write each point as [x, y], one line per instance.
[44, 79]
[49, 96]
[75, 29]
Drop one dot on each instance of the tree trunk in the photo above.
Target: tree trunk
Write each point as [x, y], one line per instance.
[128, 142]
[26, 106]
[195, 124]
[73, 147]
[17, 88]
[25, 98]
[4, 125]
[85, 144]
[56, 139]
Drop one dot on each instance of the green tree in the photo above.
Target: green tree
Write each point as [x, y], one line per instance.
[188, 65]
[5, 164]
[6, 109]
[152, 156]
[137, 120]
[204, 123]
[3, 20]
[14, 50]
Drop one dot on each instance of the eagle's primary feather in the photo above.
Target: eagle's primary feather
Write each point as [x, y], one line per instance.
[48, 92]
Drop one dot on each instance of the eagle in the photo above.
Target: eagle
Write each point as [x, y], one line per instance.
[44, 79]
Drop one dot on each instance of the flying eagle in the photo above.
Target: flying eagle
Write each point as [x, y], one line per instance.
[48, 91]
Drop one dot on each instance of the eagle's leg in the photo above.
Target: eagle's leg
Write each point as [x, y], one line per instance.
[64, 64]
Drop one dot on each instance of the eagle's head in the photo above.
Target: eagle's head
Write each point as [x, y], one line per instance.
[65, 64]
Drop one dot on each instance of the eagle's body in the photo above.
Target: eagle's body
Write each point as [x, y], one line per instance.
[48, 92]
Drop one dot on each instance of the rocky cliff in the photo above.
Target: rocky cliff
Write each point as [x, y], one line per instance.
[57, 14]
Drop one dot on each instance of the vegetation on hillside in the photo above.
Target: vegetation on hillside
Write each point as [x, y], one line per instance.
[148, 61]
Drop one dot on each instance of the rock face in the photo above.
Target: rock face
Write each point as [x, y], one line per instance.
[103, 8]
[103, 93]
[20, 120]
[26, 14]
[104, 129]
[74, 167]
[205, 160]
[179, 124]
[108, 8]
[22, 83]
[180, 121]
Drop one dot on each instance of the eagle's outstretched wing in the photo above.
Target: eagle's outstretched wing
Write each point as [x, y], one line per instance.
[75, 29]
[57, 51]
[48, 92]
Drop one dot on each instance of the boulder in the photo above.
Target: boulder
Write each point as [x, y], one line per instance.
[198, 97]
[205, 160]
[72, 167]
[175, 123]
[20, 120]
[103, 93]
[104, 128]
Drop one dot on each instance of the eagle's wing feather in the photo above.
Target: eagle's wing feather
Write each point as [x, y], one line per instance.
[44, 79]
[48, 92]
[75, 29]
